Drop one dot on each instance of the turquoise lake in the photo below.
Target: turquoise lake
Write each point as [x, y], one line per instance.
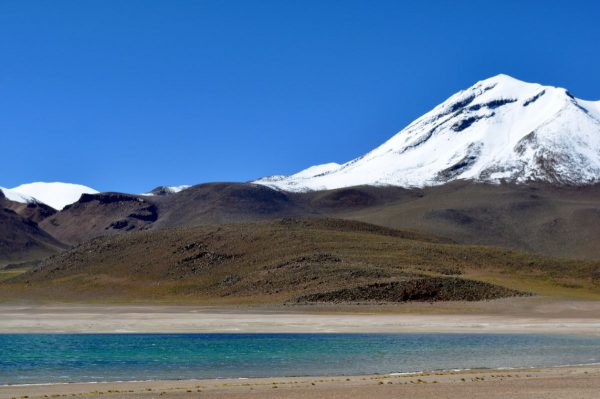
[42, 358]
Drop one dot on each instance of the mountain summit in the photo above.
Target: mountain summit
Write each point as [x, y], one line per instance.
[500, 129]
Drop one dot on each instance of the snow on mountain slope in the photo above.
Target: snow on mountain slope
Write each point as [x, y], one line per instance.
[313, 171]
[176, 189]
[317, 170]
[498, 129]
[167, 190]
[17, 197]
[56, 195]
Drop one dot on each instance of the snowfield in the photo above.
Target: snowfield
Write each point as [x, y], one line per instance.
[16, 197]
[56, 195]
[500, 129]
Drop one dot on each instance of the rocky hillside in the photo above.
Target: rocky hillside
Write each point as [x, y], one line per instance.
[291, 261]
[21, 239]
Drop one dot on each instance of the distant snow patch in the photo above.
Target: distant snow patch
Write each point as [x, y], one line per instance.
[167, 190]
[57, 195]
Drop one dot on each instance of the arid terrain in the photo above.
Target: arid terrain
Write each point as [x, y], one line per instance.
[293, 261]
[552, 220]
[550, 383]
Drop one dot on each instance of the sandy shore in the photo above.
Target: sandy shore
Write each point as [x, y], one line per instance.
[528, 316]
[549, 383]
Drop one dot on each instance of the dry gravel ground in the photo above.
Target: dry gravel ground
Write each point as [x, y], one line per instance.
[550, 383]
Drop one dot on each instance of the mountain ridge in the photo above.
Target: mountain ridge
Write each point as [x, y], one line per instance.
[546, 215]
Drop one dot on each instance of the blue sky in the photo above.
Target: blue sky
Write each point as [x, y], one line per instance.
[128, 95]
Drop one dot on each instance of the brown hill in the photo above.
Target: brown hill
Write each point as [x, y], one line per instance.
[226, 203]
[101, 214]
[21, 239]
[33, 211]
[558, 221]
[290, 261]
[114, 213]
[552, 220]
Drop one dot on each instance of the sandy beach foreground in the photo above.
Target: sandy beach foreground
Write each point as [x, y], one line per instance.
[549, 383]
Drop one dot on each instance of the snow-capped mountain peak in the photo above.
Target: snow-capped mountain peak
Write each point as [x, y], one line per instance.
[57, 195]
[498, 129]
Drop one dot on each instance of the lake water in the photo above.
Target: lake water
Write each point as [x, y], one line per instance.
[40, 358]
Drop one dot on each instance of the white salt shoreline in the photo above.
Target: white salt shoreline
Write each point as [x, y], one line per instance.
[179, 319]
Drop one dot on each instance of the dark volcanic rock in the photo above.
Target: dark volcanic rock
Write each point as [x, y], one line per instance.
[427, 289]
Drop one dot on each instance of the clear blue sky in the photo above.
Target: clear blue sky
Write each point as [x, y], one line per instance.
[128, 95]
